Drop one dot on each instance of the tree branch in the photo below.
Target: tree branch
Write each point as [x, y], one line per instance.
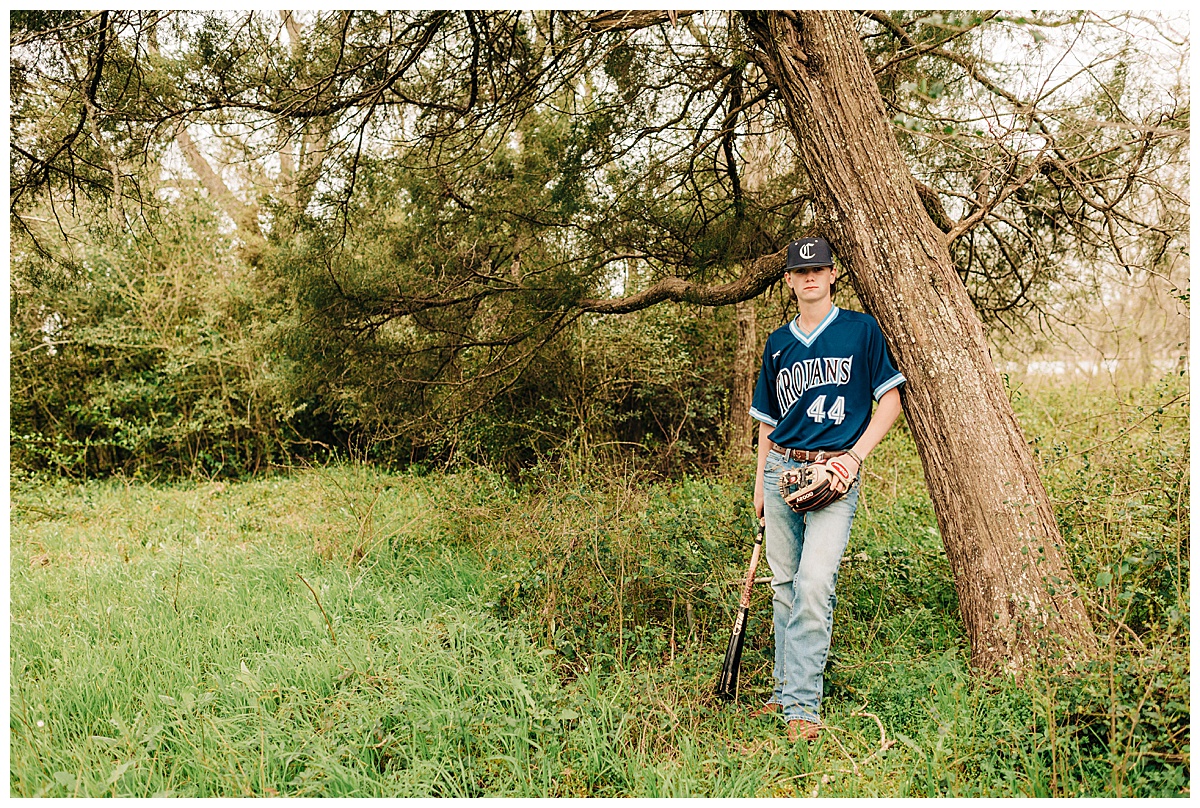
[243, 215]
[757, 277]
[632, 19]
[986, 206]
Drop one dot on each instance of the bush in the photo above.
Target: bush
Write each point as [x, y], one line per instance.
[136, 353]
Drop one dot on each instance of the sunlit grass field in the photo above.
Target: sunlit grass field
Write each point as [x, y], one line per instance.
[348, 631]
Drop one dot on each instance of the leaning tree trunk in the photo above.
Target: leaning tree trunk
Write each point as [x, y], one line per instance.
[1017, 594]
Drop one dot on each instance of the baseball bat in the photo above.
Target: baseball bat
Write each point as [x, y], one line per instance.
[727, 682]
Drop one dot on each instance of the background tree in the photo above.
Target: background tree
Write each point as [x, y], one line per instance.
[484, 184]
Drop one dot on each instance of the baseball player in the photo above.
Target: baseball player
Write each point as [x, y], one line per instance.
[820, 373]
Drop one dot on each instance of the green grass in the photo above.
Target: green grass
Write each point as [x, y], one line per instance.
[560, 637]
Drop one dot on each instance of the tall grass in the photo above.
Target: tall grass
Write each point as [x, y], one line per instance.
[351, 632]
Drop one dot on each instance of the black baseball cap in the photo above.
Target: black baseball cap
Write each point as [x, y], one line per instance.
[809, 252]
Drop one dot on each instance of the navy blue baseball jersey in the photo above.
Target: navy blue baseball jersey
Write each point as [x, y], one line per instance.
[816, 389]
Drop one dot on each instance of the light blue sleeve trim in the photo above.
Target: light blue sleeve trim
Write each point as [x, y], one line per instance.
[762, 416]
[895, 381]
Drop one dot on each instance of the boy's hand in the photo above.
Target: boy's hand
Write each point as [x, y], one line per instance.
[843, 468]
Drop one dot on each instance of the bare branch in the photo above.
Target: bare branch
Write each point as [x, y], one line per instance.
[243, 215]
[754, 281]
[987, 205]
[633, 19]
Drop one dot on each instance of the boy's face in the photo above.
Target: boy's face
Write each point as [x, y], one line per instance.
[811, 284]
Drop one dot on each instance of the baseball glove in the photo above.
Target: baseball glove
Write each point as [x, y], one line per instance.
[808, 488]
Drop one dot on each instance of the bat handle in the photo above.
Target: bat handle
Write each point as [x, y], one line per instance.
[758, 545]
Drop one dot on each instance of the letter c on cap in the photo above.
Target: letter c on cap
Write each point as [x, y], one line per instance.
[806, 252]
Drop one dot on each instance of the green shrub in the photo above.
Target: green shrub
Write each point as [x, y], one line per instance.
[136, 352]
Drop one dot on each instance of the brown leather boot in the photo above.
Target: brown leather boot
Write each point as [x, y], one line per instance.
[801, 730]
[770, 708]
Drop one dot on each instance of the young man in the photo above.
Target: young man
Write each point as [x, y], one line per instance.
[819, 375]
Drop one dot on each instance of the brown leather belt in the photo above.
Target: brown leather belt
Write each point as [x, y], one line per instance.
[803, 454]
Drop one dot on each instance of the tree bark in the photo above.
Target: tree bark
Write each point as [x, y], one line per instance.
[1018, 597]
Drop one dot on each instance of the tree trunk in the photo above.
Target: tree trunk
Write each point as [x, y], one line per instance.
[1017, 594]
[746, 360]
[759, 152]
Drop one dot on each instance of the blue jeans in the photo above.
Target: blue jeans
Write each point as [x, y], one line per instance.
[803, 551]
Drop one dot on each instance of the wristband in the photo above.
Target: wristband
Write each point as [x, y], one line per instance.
[854, 454]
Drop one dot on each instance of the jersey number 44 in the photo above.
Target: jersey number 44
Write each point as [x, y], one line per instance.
[836, 413]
